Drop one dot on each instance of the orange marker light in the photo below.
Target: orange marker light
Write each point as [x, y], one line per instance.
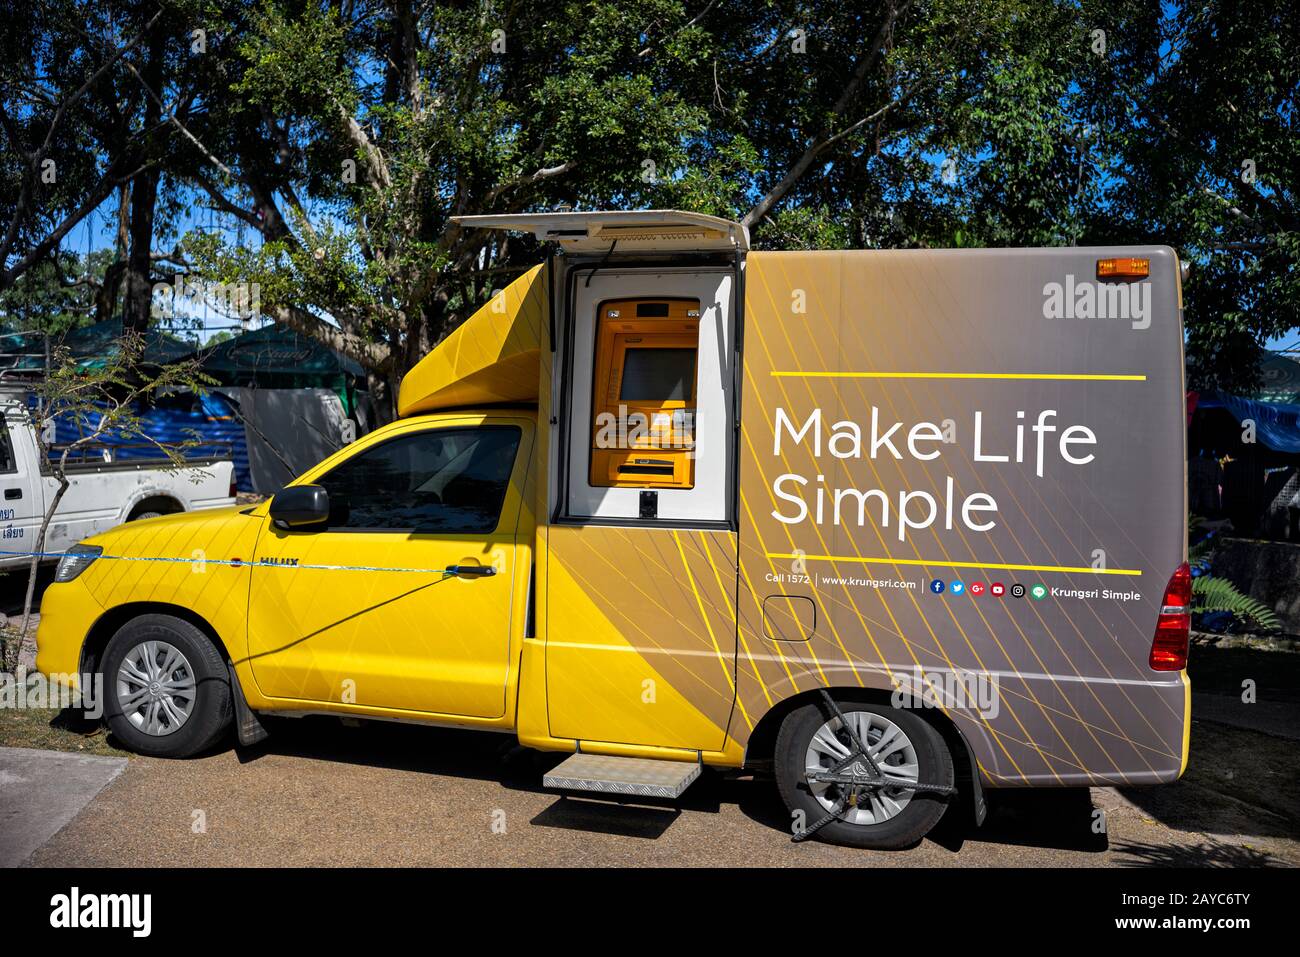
[1123, 268]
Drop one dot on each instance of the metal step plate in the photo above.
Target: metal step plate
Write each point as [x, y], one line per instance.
[641, 777]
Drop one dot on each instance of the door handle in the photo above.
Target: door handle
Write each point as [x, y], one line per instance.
[472, 571]
[13, 493]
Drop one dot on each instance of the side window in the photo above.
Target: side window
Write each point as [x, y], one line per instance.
[7, 463]
[442, 480]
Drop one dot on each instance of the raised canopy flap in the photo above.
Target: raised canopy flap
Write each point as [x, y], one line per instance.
[642, 231]
[491, 358]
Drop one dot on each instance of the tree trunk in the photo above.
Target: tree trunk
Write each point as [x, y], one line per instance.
[107, 296]
[383, 396]
[35, 565]
[138, 300]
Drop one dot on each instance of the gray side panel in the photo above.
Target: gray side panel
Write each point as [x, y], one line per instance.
[939, 337]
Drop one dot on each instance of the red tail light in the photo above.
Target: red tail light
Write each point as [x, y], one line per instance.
[234, 487]
[1169, 649]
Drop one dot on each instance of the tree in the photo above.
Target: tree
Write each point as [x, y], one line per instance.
[343, 137]
[349, 139]
[1209, 163]
[69, 145]
[106, 398]
[55, 295]
[82, 128]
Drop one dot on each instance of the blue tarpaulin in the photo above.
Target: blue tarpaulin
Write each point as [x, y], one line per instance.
[182, 417]
[1277, 426]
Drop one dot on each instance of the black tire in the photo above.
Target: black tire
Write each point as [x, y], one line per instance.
[212, 709]
[152, 513]
[922, 811]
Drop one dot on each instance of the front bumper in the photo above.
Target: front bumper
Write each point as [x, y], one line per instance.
[68, 611]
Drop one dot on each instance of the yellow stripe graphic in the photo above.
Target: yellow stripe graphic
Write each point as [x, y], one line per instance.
[1049, 376]
[1078, 569]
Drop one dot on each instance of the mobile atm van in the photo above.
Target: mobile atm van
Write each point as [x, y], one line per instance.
[893, 526]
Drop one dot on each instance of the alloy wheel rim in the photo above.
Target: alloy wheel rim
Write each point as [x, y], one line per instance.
[156, 688]
[889, 747]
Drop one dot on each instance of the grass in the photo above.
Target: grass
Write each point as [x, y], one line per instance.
[54, 730]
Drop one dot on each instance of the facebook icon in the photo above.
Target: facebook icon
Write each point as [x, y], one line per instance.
[936, 586]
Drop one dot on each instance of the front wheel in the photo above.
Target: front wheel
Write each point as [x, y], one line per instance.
[904, 747]
[166, 687]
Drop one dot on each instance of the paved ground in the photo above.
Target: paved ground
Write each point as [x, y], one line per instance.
[41, 791]
[1272, 717]
[319, 793]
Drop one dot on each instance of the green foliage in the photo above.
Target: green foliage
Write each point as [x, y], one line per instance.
[56, 295]
[789, 115]
[346, 137]
[1200, 553]
[1211, 594]
[1207, 151]
[107, 397]
[296, 59]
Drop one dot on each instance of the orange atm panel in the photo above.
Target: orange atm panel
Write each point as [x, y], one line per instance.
[643, 413]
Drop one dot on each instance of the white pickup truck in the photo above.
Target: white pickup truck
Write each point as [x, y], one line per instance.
[105, 490]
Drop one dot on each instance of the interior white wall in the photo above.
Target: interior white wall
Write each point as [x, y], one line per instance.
[707, 501]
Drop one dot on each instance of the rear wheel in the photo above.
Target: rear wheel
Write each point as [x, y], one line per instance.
[905, 748]
[166, 687]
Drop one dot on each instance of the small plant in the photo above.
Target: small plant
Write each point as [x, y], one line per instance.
[1210, 594]
[105, 398]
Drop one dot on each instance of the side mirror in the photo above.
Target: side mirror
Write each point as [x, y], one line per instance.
[299, 506]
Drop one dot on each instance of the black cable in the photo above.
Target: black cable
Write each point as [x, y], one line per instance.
[604, 259]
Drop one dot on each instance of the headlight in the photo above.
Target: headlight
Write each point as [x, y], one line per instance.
[75, 561]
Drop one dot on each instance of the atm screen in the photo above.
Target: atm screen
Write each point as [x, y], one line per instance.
[658, 375]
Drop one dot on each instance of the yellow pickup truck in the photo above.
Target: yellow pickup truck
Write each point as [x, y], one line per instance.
[895, 526]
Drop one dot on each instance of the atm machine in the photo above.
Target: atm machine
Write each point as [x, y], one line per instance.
[644, 388]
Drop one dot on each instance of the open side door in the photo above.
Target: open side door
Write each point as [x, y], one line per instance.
[637, 569]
